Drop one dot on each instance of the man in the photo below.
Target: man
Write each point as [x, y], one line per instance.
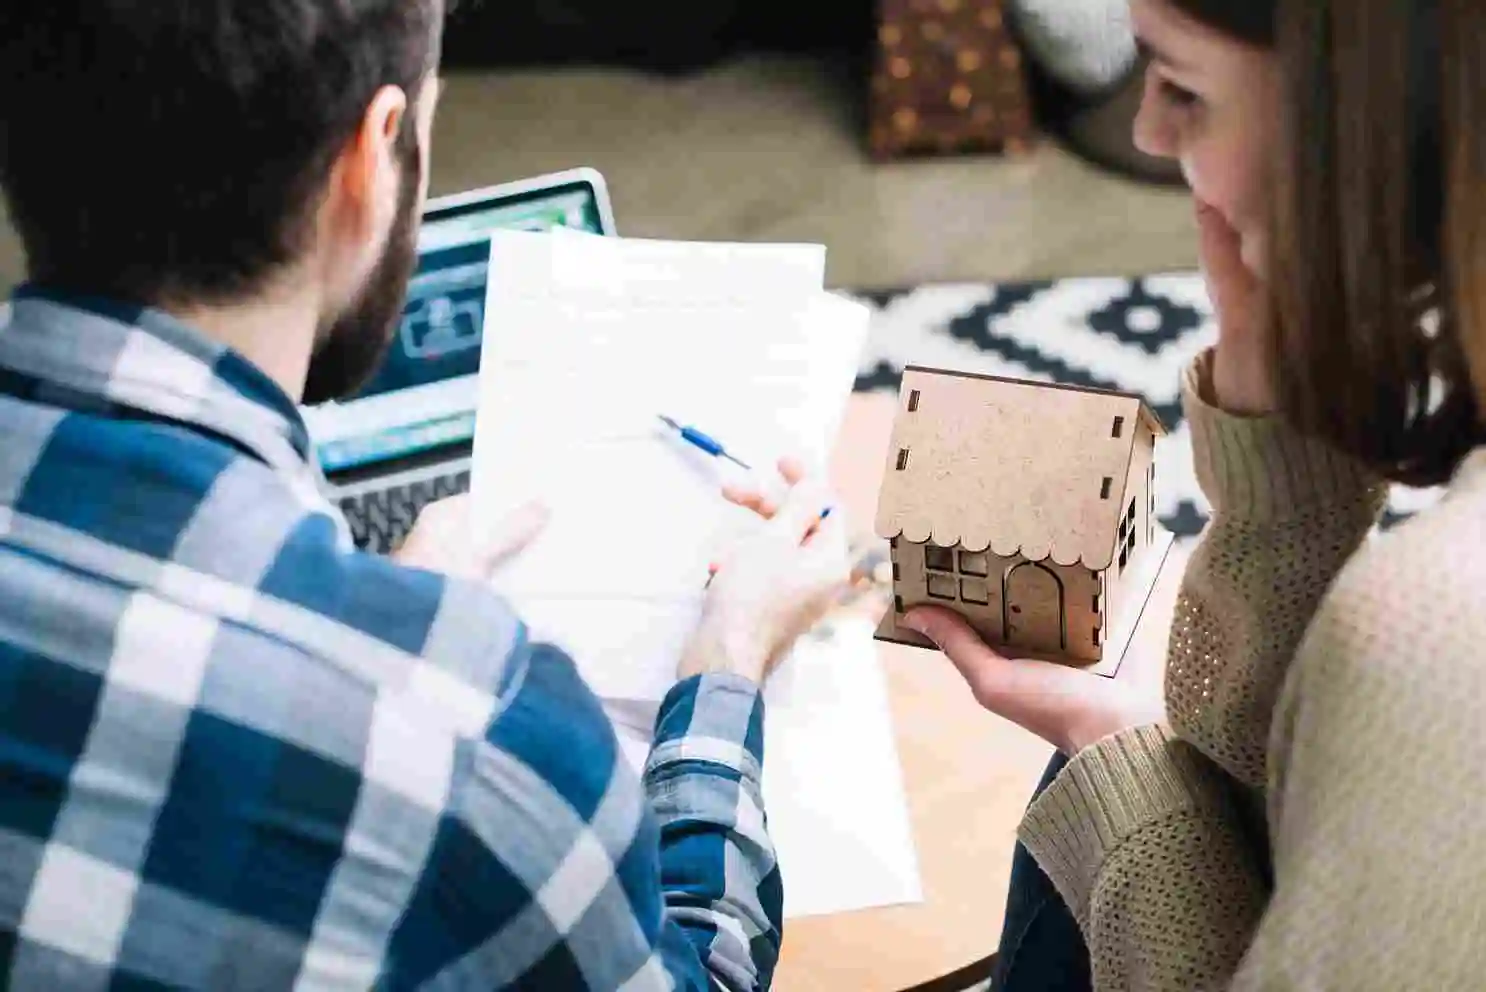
[234, 752]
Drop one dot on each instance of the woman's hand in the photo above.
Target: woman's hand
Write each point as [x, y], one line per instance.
[440, 541]
[1067, 707]
[774, 586]
[1242, 380]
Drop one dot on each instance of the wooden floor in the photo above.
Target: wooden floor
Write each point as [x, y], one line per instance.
[771, 148]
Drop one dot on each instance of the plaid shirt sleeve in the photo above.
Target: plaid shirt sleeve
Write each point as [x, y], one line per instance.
[580, 878]
[717, 868]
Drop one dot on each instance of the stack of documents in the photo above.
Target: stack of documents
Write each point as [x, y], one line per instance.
[588, 341]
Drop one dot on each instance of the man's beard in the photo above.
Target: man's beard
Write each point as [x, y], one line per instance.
[353, 346]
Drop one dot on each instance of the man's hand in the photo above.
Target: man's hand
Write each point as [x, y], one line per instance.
[775, 586]
[1067, 707]
[441, 540]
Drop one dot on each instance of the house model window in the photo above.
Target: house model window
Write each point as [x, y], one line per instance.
[1127, 535]
[957, 576]
[1028, 508]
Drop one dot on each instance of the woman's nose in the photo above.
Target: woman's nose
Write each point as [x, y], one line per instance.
[1155, 132]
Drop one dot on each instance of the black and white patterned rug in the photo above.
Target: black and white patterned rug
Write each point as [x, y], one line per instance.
[1131, 334]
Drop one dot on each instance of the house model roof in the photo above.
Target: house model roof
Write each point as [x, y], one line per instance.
[1017, 467]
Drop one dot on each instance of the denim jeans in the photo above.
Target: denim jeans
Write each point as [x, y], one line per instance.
[1041, 946]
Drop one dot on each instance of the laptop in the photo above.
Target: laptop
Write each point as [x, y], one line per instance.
[406, 439]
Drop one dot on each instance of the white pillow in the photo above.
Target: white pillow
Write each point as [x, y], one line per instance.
[1087, 45]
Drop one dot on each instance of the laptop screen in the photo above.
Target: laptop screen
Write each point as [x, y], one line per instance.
[424, 396]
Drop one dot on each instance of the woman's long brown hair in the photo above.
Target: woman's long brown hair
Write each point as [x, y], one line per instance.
[1252, 21]
[1378, 247]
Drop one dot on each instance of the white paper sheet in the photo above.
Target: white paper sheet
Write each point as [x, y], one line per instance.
[706, 270]
[595, 339]
[833, 785]
[627, 650]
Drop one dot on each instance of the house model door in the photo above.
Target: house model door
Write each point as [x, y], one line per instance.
[1034, 608]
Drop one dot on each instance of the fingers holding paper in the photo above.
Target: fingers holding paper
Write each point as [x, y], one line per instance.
[773, 586]
[443, 539]
[753, 497]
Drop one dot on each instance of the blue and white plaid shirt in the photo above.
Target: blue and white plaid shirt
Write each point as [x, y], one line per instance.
[235, 753]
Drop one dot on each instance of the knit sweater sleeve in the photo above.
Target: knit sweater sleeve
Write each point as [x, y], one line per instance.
[1375, 801]
[1287, 514]
[1141, 833]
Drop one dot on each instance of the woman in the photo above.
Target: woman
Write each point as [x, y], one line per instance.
[1308, 814]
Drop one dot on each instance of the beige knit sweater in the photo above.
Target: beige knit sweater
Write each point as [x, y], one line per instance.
[1327, 698]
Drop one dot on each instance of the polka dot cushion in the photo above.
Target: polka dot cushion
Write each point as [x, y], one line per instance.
[948, 77]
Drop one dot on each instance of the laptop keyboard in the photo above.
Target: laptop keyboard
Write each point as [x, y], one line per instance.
[381, 520]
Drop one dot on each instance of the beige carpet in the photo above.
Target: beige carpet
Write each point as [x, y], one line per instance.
[771, 148]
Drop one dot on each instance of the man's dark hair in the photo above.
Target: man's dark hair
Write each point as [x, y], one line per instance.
[176, 149]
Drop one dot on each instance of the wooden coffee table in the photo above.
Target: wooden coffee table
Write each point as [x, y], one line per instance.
[968, 775]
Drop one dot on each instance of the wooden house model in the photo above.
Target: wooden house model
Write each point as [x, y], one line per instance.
[1028, 508]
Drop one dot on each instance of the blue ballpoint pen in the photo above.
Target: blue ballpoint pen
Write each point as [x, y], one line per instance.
[711, 446]
[697, 439]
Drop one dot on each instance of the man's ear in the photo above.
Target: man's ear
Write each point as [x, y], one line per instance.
[364, 182]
